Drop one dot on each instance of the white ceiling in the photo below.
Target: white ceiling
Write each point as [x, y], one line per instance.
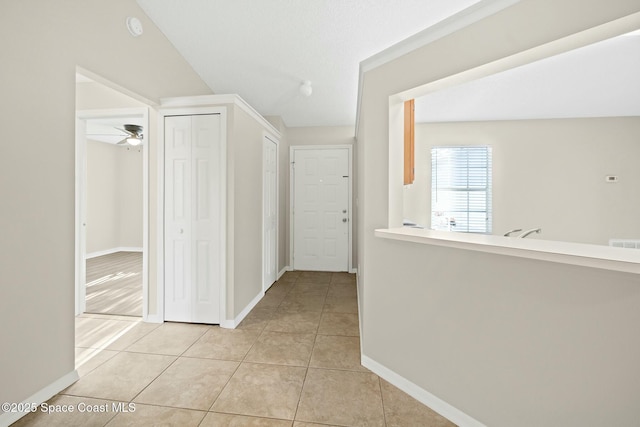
[263, 50]
[601, 80]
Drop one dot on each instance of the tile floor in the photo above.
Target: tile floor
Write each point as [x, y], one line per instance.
[293, 362]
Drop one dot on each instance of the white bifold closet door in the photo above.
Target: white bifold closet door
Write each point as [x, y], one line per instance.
[192, 212]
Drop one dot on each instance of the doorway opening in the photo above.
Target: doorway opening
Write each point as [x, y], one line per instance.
[111, 202]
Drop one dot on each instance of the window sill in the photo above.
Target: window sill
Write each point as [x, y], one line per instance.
[595, 256]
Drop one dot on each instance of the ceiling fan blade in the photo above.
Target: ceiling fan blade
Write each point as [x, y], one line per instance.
[125, 131]
[124, 141]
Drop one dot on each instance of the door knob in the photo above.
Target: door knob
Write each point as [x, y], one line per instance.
[181, 231]
[344, 219]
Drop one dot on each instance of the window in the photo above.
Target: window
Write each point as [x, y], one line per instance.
[461, 189]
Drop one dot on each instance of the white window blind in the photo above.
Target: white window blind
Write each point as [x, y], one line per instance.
[461, 188]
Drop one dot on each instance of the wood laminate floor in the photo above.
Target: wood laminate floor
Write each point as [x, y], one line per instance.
[114, 284]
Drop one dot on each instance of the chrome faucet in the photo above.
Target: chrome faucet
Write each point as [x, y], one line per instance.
[510, 232]
[533, 230]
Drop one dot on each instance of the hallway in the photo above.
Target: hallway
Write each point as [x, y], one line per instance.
[293, 362]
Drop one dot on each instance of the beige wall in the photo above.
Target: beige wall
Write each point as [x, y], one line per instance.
[321, 135]
[546, 173]
[96, 96]
[42, 43]
[244, 149]
[114, 197]
[283, 191]
[508, 341]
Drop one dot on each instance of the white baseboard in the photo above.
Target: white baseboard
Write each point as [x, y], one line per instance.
[153, 318]
[284, 270]
[8, 418]
[112, 251]
[440, 406]
[232, 324]
[358, 298]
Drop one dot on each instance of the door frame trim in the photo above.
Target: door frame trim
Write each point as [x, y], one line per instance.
[268, 136]
[292, 151]
[190, 111]
[81, 202]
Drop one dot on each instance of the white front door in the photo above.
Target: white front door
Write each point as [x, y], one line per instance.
[192, 218]
[269, 211]
[321, 214]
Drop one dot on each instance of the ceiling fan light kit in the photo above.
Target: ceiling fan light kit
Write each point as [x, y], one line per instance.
[135, 135]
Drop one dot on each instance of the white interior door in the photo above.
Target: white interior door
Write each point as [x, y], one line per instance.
[192, 218]
[269, 210]
[321, 209]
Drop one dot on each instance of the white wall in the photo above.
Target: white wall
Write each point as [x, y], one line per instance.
[504, 340]
[546, 173]
[130, 197]
[38, 88]
[114, 197]
[103, 204]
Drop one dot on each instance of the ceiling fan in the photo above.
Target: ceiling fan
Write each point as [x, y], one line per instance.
[130, 135]
[135, 135]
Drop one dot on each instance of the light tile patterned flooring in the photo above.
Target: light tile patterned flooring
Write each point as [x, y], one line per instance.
[293, 362]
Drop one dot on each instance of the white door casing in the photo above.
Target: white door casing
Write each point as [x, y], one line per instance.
[321, 185]
[193, 218]
[269, 212]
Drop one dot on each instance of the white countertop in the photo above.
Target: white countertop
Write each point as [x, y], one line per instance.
[596, 256]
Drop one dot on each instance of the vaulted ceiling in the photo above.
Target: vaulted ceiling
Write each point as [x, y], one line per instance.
[263, 50]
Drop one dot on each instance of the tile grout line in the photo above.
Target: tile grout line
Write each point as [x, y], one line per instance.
[384, 409]
[260, 332]
[205, 330]
[241, 361]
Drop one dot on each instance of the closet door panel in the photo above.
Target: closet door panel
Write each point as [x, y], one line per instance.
[206, 161]
[193, 218]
